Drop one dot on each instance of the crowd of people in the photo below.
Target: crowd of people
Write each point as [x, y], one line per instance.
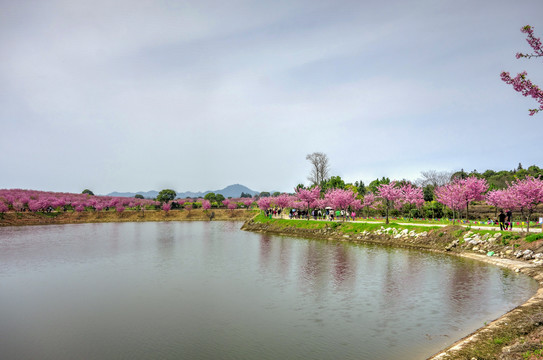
[316, 214]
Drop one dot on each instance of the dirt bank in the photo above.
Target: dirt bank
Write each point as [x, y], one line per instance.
[516, 335]
[19, 219]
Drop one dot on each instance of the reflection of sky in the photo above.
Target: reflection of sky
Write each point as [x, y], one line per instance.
[276, 294]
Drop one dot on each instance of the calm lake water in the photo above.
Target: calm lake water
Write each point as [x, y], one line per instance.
[206, 290]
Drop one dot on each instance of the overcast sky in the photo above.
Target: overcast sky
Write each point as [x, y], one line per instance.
[197, 95]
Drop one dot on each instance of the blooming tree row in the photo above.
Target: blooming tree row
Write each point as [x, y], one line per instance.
[389, 195]
[40, 201]
[521, 195]
[31, 200]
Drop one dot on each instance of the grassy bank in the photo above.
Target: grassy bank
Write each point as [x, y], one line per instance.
[70, 217]
[518, 335]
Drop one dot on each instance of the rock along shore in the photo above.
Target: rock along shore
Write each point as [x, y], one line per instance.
[515, 335]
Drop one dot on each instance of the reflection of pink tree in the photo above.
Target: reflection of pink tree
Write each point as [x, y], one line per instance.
[529, 193]
[389, 195]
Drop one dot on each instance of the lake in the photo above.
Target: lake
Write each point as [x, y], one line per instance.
[206, 290]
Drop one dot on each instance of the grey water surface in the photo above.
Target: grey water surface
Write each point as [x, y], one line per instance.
[206, 290]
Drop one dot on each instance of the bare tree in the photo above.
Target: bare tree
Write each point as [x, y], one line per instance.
[320, 167]
[434, 178]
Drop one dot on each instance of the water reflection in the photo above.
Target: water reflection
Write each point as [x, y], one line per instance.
[205, 290]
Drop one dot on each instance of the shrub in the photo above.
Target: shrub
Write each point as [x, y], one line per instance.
[534, 237]
[335, 225]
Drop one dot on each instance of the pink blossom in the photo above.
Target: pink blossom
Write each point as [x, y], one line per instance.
[389, 194]
[520, 82]
[247, 202]
[529, 193]
[308, 196]
[232, 206]
[264, 203]
[339, 198]
[206, 205]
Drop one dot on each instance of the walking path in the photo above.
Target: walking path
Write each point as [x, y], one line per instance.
[535, 229]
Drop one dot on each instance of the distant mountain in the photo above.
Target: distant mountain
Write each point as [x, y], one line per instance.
[229, 191]
[146, 194]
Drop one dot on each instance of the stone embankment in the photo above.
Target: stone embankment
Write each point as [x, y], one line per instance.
[515, 335]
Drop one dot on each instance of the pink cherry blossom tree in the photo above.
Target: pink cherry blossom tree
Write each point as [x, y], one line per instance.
[3, 207]
[411, 196]
[282, 201]
[474, 190]
[389, 195]
[369, 201]
[247, 202]
[307, 197]
[232, 206]
[264, 203]
[529, 193]
[520, 82]
[452, 196]
[206, 205]
[340, 199]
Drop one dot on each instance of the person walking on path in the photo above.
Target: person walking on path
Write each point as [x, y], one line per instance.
[509, 224]
[501, 219]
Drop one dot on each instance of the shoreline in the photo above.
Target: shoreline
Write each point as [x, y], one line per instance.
[59, 218]
[476, 344]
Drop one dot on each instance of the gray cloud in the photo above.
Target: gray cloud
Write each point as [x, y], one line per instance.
[144, 95]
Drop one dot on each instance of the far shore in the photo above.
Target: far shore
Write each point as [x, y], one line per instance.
[70, 217]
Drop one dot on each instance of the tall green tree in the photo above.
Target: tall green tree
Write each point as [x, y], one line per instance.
[360, 187]
[219, 198]
[374, 185]
[166, 195]
[335, 182]
[211, 197]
